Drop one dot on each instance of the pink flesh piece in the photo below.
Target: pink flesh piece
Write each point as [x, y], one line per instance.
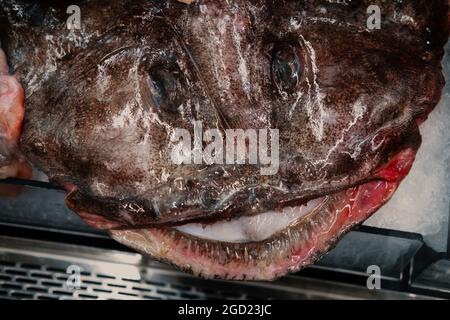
[11, 116]
[11, 103]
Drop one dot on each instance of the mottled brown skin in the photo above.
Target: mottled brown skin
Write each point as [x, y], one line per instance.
[359, 89]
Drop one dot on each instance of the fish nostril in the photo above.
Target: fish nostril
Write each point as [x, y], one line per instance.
[209, 198]
[287, 68]
[37, 13]
[253, 198]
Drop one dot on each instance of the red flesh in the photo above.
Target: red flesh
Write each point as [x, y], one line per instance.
[11, 115]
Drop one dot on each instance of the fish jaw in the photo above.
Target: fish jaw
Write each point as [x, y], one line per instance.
[289, 250]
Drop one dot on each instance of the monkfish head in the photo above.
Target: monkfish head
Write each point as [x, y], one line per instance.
[234, 139]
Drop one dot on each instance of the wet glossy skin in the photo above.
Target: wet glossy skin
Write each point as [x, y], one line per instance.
[101, 102]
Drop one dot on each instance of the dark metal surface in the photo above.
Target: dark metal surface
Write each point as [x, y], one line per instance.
[435, 277]
[30, 183]
[41, 270]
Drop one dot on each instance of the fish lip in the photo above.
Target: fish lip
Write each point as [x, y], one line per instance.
[227, 213]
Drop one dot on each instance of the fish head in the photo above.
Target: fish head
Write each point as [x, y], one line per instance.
[336, 97]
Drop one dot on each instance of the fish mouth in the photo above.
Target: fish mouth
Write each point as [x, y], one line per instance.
[273, 243]
[253, 228]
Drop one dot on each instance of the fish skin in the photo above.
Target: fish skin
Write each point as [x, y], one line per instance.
[90, 120]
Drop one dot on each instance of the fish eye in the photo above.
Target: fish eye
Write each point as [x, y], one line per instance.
[166, 86]
[287, 68]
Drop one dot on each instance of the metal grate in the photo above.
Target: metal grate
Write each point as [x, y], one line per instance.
[31, 269]
[37, 273]
[20, 280]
